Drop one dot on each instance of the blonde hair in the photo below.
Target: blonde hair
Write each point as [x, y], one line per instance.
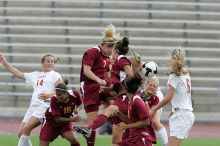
[154, 79]
[136, 57]
[177, 62]
[110, 35]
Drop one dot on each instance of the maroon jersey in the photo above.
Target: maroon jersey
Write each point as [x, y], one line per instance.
[122, 102]
[117, 72]
[62, 109]
[137, 111]
[151, 100]
[99, 63]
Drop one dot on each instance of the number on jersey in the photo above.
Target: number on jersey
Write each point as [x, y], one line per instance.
[40, 82]
[188, 86]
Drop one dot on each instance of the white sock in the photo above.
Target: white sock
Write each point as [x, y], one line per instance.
[24, 141]
[29, 142]
[162, 136]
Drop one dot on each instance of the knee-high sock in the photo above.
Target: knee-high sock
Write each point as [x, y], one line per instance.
[29, 142]
[162, 136]
[24, 141]
[91, 139]
[98, 122]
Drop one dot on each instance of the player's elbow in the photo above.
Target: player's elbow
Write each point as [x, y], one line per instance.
[147, 122]
[57, 119]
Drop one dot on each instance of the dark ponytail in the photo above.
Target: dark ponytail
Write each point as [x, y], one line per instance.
[122, 46]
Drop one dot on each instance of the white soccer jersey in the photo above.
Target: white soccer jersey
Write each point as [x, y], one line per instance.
[182, 95]
[41, 82]
[159, 93]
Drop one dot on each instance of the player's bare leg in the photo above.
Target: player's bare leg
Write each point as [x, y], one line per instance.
[173, 141]
[32, 123]
[21, 128]
[116, 135]
[25, 137]
[71, 138]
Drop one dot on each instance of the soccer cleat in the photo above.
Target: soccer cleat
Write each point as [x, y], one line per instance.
[84, 131]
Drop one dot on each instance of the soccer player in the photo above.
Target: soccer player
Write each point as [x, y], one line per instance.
[138, 119]
[59, 116]
[179, 94]
[44, 87]
[139, 126]
[150, 97]
[159, 128]
[93, 74]
[120, 69]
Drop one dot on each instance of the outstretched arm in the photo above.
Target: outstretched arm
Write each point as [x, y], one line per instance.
[166, 100]
[11, 68]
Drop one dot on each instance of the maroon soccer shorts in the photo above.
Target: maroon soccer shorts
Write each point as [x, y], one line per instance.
[49, 132]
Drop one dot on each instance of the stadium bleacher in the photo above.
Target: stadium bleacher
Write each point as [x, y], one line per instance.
[65, 28]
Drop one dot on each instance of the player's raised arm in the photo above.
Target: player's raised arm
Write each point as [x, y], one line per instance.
[11, 68]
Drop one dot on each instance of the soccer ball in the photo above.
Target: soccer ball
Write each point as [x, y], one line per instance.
[150, 68]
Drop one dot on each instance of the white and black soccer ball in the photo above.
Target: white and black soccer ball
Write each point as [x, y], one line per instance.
[150, 68]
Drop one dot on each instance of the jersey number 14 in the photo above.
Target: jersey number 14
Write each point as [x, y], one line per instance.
[40, 82]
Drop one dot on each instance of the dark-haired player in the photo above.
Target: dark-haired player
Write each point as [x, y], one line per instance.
[138, 121]
[137, 118]
[59, 116]
[137, 66]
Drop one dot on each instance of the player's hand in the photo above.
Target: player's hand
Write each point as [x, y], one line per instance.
[105, 89]
[44, 95]
[122, 126]
[2, 59]
[76, 119]
[101, 82]
[75, 111]
[102, 88]
[115, 112]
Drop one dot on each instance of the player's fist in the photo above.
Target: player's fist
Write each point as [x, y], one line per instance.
[76, 119]
[2, 59]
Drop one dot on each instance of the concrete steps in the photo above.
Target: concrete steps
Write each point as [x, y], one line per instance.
[69, 27]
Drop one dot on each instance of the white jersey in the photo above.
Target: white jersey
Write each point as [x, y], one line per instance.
[182, 94]
[159, 93]
[41, 82]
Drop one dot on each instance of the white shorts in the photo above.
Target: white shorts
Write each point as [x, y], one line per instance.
[37, 111]
[180, 123]
[29, 112]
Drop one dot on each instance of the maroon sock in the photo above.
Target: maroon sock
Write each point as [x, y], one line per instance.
[91, 139]
[98, 122]
[75, 144]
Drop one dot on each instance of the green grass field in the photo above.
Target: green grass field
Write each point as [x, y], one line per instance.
[11, 140]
